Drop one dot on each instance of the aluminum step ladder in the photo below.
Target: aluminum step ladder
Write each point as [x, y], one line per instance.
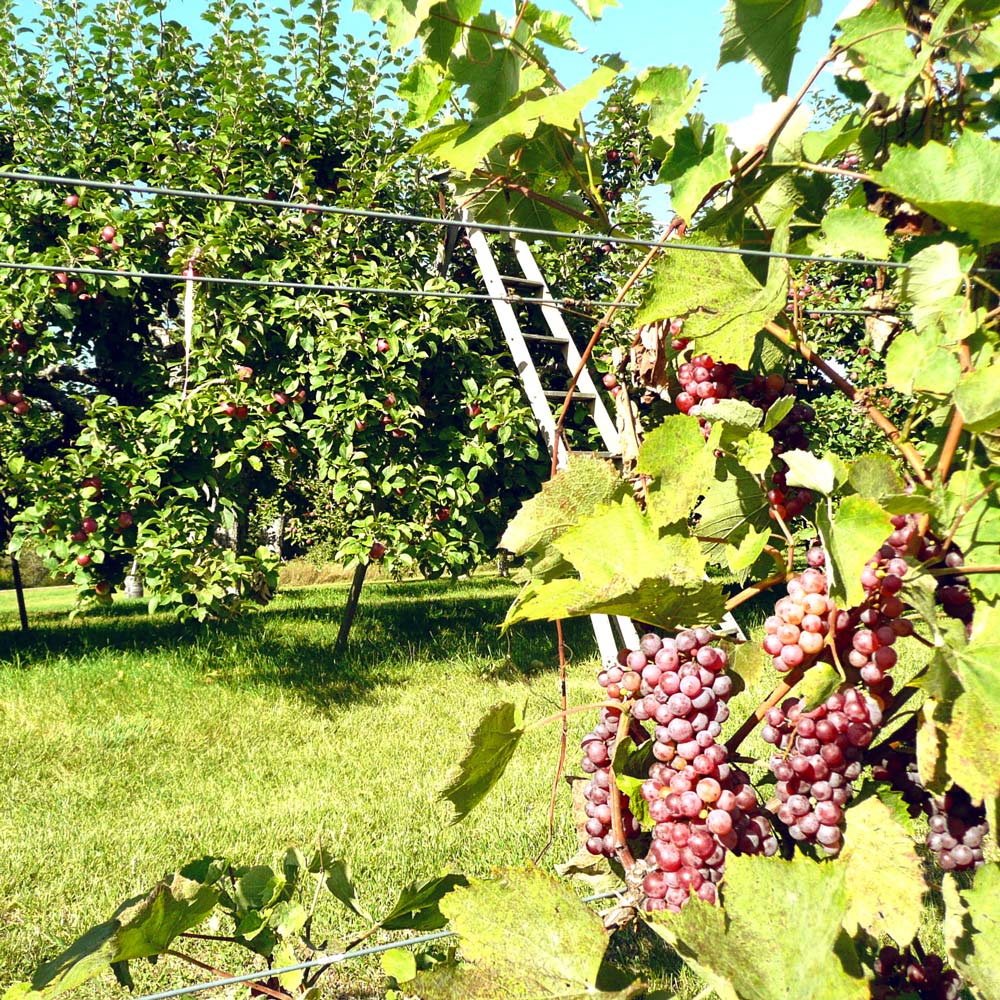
[528, 285]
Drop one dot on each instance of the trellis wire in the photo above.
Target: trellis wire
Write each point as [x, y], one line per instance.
[317, 963]
[306, 286]
[489, 227]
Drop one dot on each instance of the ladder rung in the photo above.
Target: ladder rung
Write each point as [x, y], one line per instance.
[547, 337]
[584, 397]
[513, 279]
[609, 455]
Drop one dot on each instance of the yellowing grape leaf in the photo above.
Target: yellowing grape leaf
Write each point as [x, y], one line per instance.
[856, 532]
[972, 929]
[884, 882]
[675, 445]
[782, 942]
[665, 90]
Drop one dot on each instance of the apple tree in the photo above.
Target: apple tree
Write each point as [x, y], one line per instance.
[144, 419]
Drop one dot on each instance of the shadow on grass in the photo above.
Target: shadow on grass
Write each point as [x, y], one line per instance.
[400, 628]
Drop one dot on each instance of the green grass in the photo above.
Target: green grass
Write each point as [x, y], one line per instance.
[130, 744]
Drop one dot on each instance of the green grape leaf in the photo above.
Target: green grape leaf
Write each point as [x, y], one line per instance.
[765, 33]
[338, 881]
[755, 453]
[748, 550]
[810, 472]
[972, 929]
[978, 531]
[491, 748]
[140, 928]
[722, 304]
[837, 139]
[403, 18]
[733, 502]
[527, 928]
[935, 274]
[594, 8]
[884, 875]
[418, 906]
[956, 184]
[978, 398]
[626, 568]
[465, 146]
[973, 730]
[399, 964]
[425, 91]
[856, 532]
[665, 90]
[850, 230]
[875, 477]
[875, 43]
[922, 362]
[777, 412]
[759, 945]
[694, 167]
[735, 412]
[563, 502]
[675, 445]
[258, 887]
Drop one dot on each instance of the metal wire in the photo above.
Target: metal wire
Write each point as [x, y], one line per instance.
[490, 227]
[306, 286]
[317, 963]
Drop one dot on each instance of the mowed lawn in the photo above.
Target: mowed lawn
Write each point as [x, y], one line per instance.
[129, 745]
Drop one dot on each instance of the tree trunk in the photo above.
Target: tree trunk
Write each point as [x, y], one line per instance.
[22, 611]
[353, 597]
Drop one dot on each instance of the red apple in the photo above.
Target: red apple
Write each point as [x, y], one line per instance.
[241, 413]
[125, 520]
[300, 396]
[83, 560]
[284, 141]
[376, 551]
[389, 401]
[267, 445]
[72, 200]
[21, 408]
[385, 420]
[359, 425]
[398, 432]
[160, 228]
[103, 588]
[381, 345]
[229, 409]
[281, 398]
[93, 482]
[17, 324]
[473, 409]
[244, 373]
[15, 396]
[78, 536]
[443, 513]
[74, 286]
[19, 346]
[108, 234]
[609, 380]
[89, 525]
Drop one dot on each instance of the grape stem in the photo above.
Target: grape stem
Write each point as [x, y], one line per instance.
[617, 827]
[877, 417]
[219, 974]
[963, 570]
[758, 588]
[575, 710]
[957, 425]
[750, 723]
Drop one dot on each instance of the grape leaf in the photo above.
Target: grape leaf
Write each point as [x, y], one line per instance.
[418, 906]
[695, 166]
[626, 568]
[665, 90]
[338, 881]
[464, 146]
[722, 304]
[777, 412]
[978, 398]
[933, 277]
[736, 413]
[403, 18]
[733, 500]
[594, 8]
[755, 452]
[875, 43]
[806, 470]
[760, 946]
[141, 927]
[675, 445]
[491, 748]
[747, 551]
[884, 880]
[820, 681]
[972, 929]
[766, 34]
[563, 501]
[399, 964]
[978, 533]
[922, 362]
[956, 184]
[838, 138]
[856, 533]
[850, 230]
[875, 477]
[528, 928]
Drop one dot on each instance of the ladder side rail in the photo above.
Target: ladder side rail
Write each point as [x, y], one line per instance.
[515, 341]
[555, 322]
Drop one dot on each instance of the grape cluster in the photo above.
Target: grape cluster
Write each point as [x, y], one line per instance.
[801, 621]
[956, 831]
[700, 804]
[703, 381]
[598, 749]
[764, 391]
[899, 974]
[819, 756]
